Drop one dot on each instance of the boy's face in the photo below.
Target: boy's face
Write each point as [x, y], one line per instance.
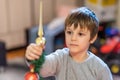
[77, 40]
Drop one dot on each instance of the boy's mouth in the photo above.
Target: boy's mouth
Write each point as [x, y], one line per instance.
[73, 44]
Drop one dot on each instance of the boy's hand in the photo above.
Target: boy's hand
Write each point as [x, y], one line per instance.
[34, 51]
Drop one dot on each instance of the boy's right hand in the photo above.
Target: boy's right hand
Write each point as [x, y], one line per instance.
[34, 51]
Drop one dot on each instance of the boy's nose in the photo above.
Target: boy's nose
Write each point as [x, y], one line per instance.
[74, 37]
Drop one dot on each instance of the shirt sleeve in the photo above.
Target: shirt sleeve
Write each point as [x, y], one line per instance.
[51, 65]
[105, 74]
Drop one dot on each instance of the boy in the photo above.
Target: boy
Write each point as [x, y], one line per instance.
[74, 62]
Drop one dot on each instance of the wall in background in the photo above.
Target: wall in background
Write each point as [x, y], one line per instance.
[15, 17]
[18, 15]
[48, 11]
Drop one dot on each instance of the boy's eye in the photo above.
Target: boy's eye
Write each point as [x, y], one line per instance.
[80, 34]
[69, 32]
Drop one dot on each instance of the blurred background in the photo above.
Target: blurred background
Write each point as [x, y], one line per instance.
[19, 20]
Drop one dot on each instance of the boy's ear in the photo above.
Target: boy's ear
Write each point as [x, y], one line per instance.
[93, 39]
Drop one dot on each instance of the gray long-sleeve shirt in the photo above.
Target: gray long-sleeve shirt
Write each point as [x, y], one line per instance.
[64, 67]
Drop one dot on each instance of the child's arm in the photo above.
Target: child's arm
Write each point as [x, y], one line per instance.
[51, 63]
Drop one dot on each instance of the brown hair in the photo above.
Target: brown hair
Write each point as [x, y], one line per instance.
[85, 18]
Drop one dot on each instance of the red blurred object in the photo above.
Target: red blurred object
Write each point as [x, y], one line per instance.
[101, 28]
[117, 48]
[110, 45]
[31, 76]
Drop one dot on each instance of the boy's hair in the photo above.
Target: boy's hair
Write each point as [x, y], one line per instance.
[85, 18]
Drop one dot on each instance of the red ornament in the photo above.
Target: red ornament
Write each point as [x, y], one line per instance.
[31, 75]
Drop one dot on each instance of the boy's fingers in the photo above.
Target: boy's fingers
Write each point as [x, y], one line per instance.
[32, 56]
[37, 49]
[34, 51]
